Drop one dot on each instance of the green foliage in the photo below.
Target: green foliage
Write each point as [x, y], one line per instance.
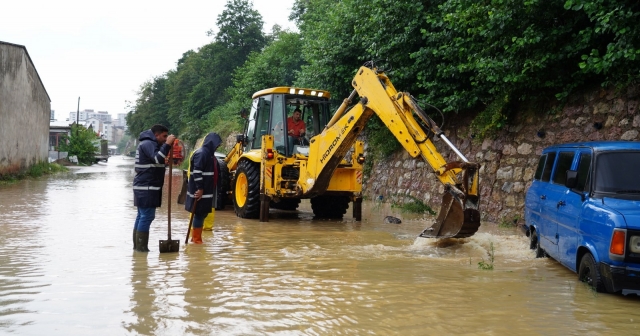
[80, 144]
[486, 56]
[509, 221]
[37, 170]
[488, 265]
[414, 206]
[492, 119]
[151, 107]
[183, 98]
[382, 142]
[122, 145]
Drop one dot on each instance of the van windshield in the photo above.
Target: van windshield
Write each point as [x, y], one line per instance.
[617, 173]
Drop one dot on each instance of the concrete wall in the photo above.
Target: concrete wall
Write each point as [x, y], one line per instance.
[509, 161]
[25, 109]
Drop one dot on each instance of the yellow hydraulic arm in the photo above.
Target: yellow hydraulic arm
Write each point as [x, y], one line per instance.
[459, 216]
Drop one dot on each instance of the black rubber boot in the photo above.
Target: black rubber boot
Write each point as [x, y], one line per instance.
[135, 238]
[143, 242]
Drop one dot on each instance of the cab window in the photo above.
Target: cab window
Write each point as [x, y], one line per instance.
[251, 125]
[278, 123]
[565, 159]
[262, 123]
[548, 166]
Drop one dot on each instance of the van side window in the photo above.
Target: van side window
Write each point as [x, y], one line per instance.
[546, 173]
[584, 169]
[538, 174]
[564, 163]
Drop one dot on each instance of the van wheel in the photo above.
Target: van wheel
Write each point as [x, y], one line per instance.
[246, 190]
[533, 238]
[588, 273]
[540, 253]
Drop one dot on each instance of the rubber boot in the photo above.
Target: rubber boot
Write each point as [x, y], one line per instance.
[135, 238]
[196, 238]
[143, 242]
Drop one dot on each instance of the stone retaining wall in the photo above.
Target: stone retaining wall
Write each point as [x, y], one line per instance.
[509, 161]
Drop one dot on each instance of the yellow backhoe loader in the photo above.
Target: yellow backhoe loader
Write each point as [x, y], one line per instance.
[269, 168]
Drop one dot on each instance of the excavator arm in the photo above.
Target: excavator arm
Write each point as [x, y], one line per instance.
[459, 216]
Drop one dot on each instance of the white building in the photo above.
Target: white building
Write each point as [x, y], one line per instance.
[122, 117]
[104, 116]
[95, 124]
[82, 115]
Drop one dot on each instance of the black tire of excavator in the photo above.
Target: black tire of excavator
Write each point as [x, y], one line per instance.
[251, 208]
[329, 207]
[222, 197]
[286, 204]
[357, 209]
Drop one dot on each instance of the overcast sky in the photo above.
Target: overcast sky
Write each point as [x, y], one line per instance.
[102, 51]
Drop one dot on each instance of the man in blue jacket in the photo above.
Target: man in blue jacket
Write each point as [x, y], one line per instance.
[154, 147]
[202, 180]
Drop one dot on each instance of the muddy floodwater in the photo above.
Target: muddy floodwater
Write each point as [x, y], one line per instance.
[67, 268]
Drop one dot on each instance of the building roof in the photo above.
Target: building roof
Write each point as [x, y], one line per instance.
[59, 125]
[30, 60]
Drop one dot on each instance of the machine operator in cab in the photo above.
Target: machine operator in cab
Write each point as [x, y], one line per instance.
[296, 127]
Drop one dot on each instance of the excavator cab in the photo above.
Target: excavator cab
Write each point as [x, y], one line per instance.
[270, 112]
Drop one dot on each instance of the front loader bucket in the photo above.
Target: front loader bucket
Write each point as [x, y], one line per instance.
[454, 221]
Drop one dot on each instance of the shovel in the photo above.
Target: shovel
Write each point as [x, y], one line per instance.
[193, 210]
[167, 246]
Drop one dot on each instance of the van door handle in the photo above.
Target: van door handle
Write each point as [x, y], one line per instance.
[561, 203]
[543, 197]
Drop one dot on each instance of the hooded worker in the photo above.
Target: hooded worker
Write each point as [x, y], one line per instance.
[203, 177]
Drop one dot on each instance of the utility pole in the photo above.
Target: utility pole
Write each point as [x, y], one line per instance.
[78, 116]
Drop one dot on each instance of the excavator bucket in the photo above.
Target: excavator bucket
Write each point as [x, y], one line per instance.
[454, 221]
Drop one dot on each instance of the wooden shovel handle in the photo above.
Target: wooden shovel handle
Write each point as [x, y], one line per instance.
[193, 210]
[169, 196]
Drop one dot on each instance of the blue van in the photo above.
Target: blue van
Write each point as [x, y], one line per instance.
[583, 210]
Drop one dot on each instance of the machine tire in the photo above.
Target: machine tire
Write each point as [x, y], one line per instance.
[357, 209]
[588, 273]
[246, 190]
[223, 185]
[286, 204]
[330, 207]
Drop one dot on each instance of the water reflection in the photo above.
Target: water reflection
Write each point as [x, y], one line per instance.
[66, 267]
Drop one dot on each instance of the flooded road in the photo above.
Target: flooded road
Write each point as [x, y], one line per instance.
[67, 268]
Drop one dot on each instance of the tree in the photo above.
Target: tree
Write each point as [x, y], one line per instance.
[240, 29]
[151, 106]
[80, 143]
[276, 65]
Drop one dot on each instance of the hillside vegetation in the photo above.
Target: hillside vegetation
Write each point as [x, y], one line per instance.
[458, 55]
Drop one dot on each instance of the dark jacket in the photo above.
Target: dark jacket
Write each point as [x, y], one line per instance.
[203, 175]
[150, 168]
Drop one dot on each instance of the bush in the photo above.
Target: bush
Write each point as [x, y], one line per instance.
[37, 170]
